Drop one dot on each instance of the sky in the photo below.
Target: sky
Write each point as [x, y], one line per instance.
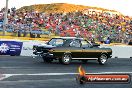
[123, 6]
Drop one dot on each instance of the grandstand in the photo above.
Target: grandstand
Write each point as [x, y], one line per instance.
[95, 24]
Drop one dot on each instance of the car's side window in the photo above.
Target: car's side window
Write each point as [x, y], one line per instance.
[75, 43]
[84, 44]
[56, 42]
[59, 42]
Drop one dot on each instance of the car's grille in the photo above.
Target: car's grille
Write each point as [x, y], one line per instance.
[40, 49]
[45, 51]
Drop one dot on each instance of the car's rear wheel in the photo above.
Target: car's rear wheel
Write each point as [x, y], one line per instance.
[102, 59]
[47, 60]
[66, 59]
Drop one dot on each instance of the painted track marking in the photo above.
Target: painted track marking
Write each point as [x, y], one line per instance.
[5, 76]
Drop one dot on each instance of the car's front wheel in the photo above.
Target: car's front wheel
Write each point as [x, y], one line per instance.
[102, 59]
[66, 59]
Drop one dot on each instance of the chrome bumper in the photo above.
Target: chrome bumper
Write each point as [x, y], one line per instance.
[41, 54]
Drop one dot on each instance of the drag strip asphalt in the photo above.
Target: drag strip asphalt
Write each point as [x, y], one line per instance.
[28, 72]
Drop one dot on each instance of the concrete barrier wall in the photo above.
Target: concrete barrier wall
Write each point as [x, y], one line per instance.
[27, 49]
[120, 51]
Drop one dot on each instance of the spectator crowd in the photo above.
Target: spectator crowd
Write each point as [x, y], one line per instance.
[98, 27]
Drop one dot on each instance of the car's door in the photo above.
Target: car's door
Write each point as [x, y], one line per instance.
[88, 50]
[75, 49]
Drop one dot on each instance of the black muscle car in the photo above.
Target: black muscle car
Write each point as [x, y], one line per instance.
[66, 49]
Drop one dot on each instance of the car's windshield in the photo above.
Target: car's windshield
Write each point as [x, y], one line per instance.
[56, 42]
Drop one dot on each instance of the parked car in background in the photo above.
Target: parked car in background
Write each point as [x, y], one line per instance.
[66, 49]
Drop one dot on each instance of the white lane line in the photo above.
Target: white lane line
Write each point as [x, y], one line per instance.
[15, 67]
[4, 76]
[68, 73]
[55, 74]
